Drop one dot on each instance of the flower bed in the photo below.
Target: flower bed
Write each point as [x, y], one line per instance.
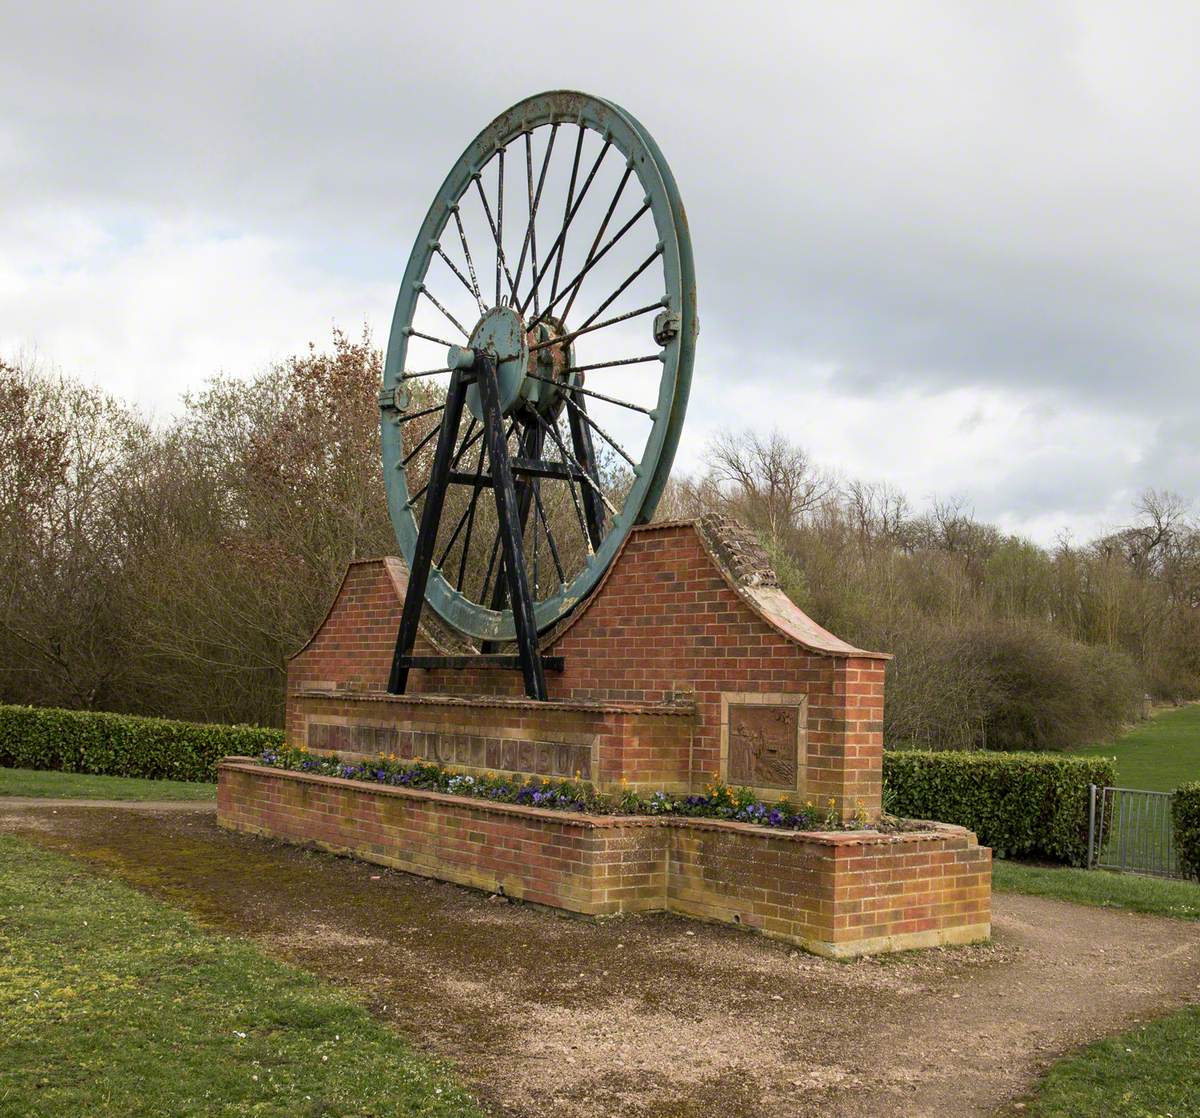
[718, 801]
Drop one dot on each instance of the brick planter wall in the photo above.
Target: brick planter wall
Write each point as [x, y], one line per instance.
[839, 893]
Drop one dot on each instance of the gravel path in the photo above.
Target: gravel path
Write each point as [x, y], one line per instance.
[659, 1016]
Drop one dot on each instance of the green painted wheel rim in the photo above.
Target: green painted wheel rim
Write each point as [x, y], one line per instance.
[619, 131]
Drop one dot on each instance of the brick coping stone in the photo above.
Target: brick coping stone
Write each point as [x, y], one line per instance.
[867, 836]
[836, 893]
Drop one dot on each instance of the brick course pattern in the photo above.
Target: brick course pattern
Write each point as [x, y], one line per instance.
[840, 894]
[674, 627]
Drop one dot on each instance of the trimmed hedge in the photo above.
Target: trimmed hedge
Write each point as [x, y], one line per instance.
[1185, 815]
[87, 741]
[1019, 804]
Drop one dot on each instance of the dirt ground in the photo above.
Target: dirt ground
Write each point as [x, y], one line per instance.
[547, 1014]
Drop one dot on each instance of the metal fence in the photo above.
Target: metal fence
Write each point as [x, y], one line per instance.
[1131, 829]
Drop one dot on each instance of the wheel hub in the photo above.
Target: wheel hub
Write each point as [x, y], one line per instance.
[501, 333]
[526, 361]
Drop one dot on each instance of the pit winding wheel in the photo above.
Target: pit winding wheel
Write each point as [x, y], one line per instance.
[541, 349]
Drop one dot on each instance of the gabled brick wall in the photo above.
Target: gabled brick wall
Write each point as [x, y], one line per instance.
[673, 621]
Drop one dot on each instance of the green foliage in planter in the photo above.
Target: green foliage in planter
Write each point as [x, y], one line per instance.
[1185, 814]
[123, 745]
[718, 801]
[1020, 804]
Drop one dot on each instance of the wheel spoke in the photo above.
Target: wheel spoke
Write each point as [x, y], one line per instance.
[429, 338]
[613, 297]
[466, 548]
[589, 392]
[467, 443]
[563, 339]
[582, 413]
[553, 432]
[535, 198]
[599, 236]
[463, 517]
[404, 417]
[433, 432]
[454, 268]
[462, 236]
[594, 260]
[430, 296]
[567, 210]
[615, 362]
[487, 578]
[558, 567]
[559, 241]
[502, 263]
[500, 226]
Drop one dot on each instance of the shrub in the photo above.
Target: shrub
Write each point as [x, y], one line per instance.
[1017, 803]
[121, 744]
[1185, 814]
[1045, 691]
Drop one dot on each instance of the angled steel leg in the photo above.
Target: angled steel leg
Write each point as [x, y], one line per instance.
[431, 514]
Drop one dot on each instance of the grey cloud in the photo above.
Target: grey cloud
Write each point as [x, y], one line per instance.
[919, 196]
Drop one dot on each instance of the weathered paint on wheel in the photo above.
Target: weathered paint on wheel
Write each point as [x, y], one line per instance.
[653, 470]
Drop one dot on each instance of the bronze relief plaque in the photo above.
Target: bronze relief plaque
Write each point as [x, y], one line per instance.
[764, 744]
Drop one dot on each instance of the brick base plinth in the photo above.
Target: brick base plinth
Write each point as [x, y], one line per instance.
[838, 893]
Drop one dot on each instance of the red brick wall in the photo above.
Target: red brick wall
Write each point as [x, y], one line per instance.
[841, 893]
[666, 622]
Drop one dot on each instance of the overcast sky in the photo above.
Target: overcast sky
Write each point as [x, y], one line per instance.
[955, 246]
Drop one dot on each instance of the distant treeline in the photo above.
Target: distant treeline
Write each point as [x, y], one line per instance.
[170, 570]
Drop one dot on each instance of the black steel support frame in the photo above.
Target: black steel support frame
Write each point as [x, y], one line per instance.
[508, 517]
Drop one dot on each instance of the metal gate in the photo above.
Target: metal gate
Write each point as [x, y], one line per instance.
[1131, 829]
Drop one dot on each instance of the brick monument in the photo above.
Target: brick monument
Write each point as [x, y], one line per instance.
[688, 663]
[540, 626]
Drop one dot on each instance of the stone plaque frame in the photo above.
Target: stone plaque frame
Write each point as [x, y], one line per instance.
[748, 709]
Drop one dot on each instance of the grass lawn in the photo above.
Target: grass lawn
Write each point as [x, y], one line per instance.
[112, 1004]
[1149, 1072]
[1160, 754]
[1160, 896]
[84, 786]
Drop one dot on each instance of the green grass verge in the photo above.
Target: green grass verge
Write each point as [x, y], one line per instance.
[1160, 754]
[112, 1004]
[1159, 896]
[1150, 1072]
[85, 786]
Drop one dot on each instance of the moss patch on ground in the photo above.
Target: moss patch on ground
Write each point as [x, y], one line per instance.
[114, 1004]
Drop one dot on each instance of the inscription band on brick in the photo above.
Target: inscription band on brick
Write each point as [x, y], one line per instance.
[545, 758]
[764, 744]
